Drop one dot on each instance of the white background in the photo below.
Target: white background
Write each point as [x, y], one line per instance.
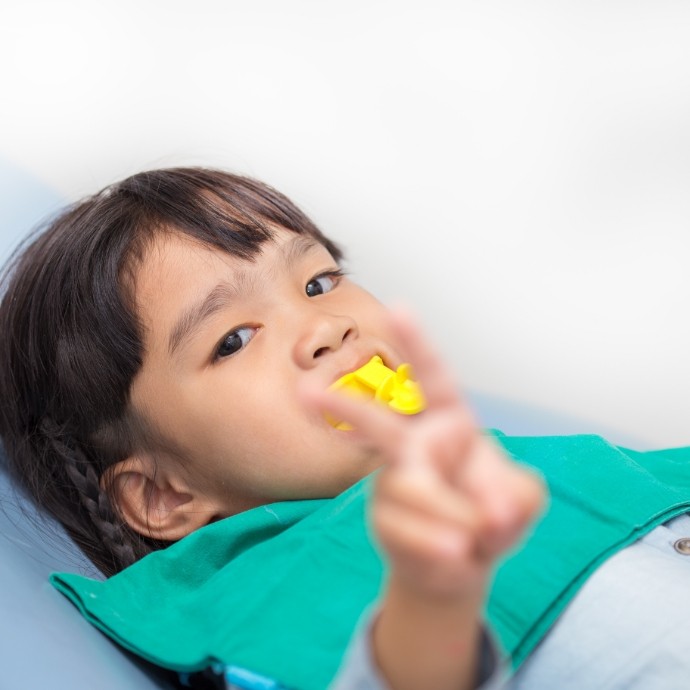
[517, 171]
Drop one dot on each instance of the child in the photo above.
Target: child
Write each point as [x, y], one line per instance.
[166, 347]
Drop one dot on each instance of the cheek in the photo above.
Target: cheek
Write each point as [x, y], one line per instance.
[366, 308]
[255, 416]
[374, 321]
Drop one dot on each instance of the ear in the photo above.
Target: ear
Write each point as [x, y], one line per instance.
[157, 502]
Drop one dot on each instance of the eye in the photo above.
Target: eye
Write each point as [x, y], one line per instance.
[234, 341]
[323, 283]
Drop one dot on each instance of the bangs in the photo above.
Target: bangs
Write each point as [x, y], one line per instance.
[232, 213]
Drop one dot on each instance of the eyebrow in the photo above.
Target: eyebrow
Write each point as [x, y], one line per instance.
[297, 247]
[191, 319]
[223, 294]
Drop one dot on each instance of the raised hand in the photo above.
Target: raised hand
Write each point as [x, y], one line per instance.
[446, 504]
[448, 500]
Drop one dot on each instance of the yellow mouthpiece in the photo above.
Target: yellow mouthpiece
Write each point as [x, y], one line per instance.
[375, 381]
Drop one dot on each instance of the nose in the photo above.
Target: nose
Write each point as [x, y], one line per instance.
[323, 333]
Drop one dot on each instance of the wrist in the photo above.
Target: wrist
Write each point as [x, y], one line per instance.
[444, 611]
[427, 641]
[470, 597]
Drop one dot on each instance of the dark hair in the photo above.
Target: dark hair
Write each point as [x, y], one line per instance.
[71, 344]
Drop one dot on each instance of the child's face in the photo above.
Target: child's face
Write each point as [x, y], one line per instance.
[227, 344]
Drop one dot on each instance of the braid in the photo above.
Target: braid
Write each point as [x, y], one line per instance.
[114, 535]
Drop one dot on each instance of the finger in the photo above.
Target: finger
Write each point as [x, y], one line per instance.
[436, 378]
[427, 556]
[423, 493]
[412, 537]
[510, 497]
[443, 440]
[526, 502]
[371, 421]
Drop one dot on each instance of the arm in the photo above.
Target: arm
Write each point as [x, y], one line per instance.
[424, 642]
[360, 672]
[447, 503]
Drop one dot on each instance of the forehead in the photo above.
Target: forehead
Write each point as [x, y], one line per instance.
[173, 255]
[177, 273]
[177, 258]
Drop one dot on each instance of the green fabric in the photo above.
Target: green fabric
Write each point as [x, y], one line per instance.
[281, 588]
[602, 499]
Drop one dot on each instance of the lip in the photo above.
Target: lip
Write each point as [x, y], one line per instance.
[390, 359]
[359, 362]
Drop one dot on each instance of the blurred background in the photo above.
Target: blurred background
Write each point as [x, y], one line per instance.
[519, 173]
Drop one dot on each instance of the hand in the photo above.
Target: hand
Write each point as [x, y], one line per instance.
[448, 501]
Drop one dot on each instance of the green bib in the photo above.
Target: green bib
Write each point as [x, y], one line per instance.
[280, 589]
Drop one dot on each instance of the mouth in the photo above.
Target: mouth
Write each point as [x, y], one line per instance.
[375, 381]
[360, 381]
[359, 364]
